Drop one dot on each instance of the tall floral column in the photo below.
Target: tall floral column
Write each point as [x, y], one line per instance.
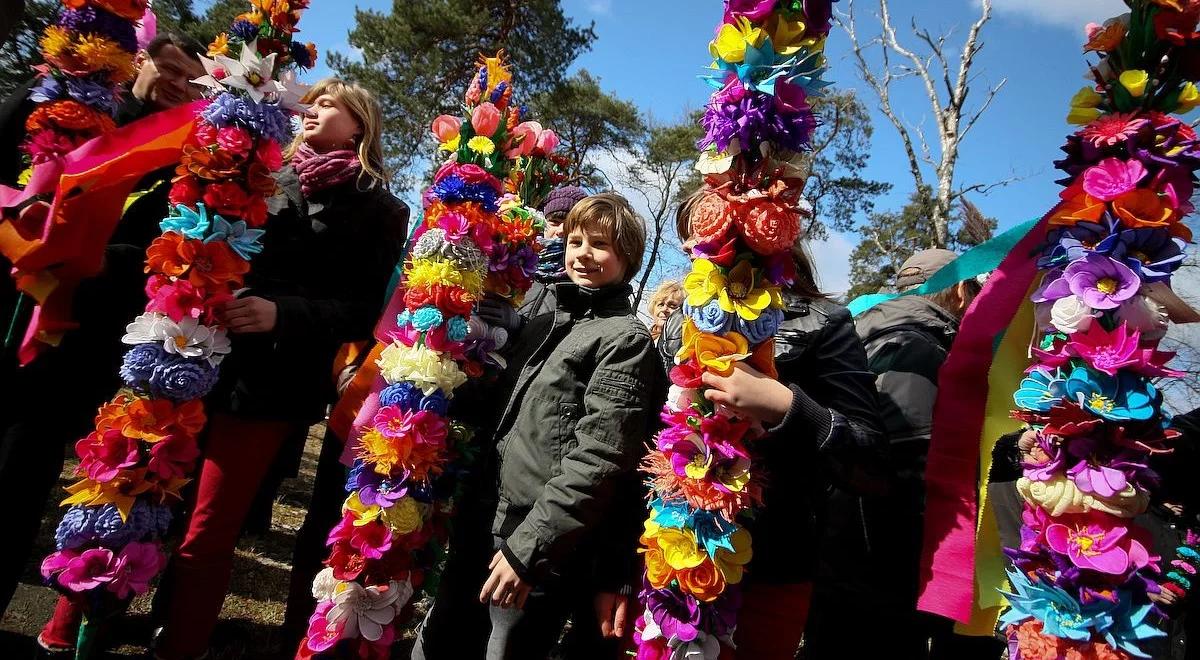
[1084, 572]
[768, 60]
[88, 55]
[131, 468]
[475, 236]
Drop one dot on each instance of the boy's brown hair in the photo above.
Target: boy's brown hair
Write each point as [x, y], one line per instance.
[612, 214]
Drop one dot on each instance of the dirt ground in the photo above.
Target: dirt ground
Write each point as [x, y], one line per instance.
[252, 611]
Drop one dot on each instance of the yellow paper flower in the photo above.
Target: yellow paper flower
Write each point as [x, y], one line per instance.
[366, 514]
[732, 40]
[404, 517]
[703, 283]
[1189, 98]
[1134, 80]
[731, 564]
[679, 547]
[55, 41]
[739, 294]
[451, 145]
[424, 368]
[481, 144]
[658, 573]
[427, 272]
[788, 36]
[219, 46]
[378, 449]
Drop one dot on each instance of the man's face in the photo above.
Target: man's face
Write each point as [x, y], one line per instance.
[164, 79]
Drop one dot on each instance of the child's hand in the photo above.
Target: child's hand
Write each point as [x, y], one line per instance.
[504, 587]
[611, 612]
[749, 393]
[249, 314]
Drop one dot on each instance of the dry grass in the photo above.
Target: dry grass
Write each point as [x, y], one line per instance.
[253, 609]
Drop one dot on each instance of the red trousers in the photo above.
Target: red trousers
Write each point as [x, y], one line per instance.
[770, 622]
[237, 455]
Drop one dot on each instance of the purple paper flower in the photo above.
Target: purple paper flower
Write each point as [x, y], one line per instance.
[265, 119]
[183, 379]
[755, 10]
[752, 118]
[82, 525]
[1151, 252]
[1071, 243]
[93, 20]
[1101, 282]
[373, 488]
[244, 30]
[139, 363]
[677, 614]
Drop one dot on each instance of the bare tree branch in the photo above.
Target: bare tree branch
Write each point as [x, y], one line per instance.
[947, 86]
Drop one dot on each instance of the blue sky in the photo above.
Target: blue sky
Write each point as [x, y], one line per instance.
[651, 51]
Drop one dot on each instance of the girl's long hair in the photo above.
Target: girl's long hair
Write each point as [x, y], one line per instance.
[365, 107]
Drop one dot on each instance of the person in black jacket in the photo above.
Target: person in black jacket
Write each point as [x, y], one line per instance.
[331, 243]
[872, 549]
[822, 429]
[38, 415]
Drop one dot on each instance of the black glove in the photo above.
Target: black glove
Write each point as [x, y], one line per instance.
[499, 313]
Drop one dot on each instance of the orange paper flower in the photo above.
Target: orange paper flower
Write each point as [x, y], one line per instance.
[1079, 208]
[711, 217]
[1141, 207]
[212, 265]
[704, 581]
[715, 353]
[68, 115]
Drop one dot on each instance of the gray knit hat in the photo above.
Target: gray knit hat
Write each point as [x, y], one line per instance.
[562, 199]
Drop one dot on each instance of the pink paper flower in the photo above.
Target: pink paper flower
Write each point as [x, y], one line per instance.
[1102, 480]
[1107, 351]
[321, 634]
[104, 454]
[1097, 542]
[371, 540]
[547, 143]
[446, 128]
[235, 140]
[173, 457]
[1113, 177]
[485, 119]
[133, 569]
[524, 139]
[88, 570]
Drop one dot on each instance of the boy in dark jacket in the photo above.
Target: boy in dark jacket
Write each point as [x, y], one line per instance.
[581, 390]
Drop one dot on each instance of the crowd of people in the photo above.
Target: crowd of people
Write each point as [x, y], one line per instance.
[550, 518]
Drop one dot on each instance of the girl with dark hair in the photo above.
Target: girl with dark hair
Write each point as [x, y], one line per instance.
[822, 429]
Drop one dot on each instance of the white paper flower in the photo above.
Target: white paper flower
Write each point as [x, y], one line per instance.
[188, 338]
[1146, 315]
[251, 73]
[366, 610]
[1070, 315]
[682, 398]
[324, 585]
[292, 93]
[424, 368]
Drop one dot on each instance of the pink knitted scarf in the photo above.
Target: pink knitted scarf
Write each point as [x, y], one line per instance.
[320, 171]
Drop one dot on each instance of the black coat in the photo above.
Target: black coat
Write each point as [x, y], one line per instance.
[326, 263]
[832, 435]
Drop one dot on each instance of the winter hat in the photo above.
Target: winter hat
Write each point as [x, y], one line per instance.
[562, 199]
[918, 268]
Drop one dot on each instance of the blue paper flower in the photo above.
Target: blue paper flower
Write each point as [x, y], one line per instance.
[1117, 398]
[187, 222]
[1040, 391]
[760, 329]
[238, 235]
[139, 362]
[265, 119]
[456, 328]
[1150, 252]
[710, 317]
[183, 379]
[426, 318]
[1067, 244]
[102, 525]
[403, 395]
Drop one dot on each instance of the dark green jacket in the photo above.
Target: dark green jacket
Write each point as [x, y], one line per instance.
[586, 385]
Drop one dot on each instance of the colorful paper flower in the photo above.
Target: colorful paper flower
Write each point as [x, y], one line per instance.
[1100, 282]
[1116, 398]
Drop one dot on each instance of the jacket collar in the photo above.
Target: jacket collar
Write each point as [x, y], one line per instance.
[581, 301]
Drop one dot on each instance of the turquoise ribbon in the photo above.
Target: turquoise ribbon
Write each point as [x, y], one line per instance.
[983, 258]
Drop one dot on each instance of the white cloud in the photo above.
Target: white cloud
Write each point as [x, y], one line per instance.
[1070, 14]
[832, 257]
[599, 6]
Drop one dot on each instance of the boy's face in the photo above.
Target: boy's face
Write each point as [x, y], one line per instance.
[592, 259]
[554, 225]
